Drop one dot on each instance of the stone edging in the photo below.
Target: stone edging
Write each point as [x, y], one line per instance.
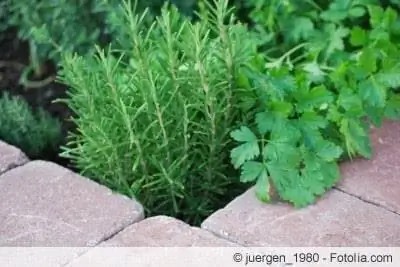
[43, 204]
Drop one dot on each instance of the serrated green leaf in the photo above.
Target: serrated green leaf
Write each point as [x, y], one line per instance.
[251, 170]
[243, 153]
[372, 92]
[284, 153]
[244, 134]
[357, 12]
[377, 34]
[316, 74]
[319, 175]
[298, 196]
[333, 15]
[262, 187]
[367, 60]
[393, 107]
[311, 137]
[311, 120]
[328, 151]
[330, 172]
[376, 115]
[247, 151]
[242, 80]
[314, 98]
[356, 137]
[281, 108]
[358, 36]
[376, 14]
[246, 103]
[281, 82]
[351, 102]
[282, 176]
[265, 122]
[314, 180]
[390, 78]
[389, 18]
[335, 35]
[300, 28]
[334, 115]
[285, 131]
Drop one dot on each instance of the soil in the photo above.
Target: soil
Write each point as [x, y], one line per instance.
[14, 55]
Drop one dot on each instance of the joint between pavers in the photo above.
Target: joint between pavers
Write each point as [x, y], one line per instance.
[224, 237]
[105, 239]
[367, 201]
[13, 166]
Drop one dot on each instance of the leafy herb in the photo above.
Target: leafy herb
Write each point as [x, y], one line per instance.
[315, 101]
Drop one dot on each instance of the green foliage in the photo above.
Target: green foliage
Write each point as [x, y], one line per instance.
[154, 121]
[71, 26]
[3, 14]
[339, 71]
[32, 131]
[62, 26]
[159, 112]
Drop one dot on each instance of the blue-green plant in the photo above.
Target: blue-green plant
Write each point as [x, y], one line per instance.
[33, 131]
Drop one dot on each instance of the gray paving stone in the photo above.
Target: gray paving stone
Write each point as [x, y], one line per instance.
[10, 157]
[338, 219]
[377, 180]
[158, 231]
[43, 204]
[163, 231]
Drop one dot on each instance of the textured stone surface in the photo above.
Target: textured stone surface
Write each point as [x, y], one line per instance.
[43, 204]
[377, 180]
[165, 232]
[10, 157]
[336, 220]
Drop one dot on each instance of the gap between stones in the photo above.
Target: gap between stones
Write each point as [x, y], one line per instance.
[366, 200]
[13, 166]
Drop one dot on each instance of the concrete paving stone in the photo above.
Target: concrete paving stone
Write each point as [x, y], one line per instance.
[10, 157]
[338, 219]
[131, 245]
[377, 180]
[44, 204]
[163, 231]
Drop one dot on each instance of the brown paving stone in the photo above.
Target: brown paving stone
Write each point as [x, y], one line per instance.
[338, 219]
[377, 180]
[43, 204]
[10, 157]
[163, 231]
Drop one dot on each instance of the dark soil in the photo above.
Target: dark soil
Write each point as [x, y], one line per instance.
[14, 54]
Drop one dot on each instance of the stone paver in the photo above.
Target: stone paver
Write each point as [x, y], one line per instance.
[158, 231]
[10, 157]
[338, 219]
[43, 204]
[163, 231]
[377, 180]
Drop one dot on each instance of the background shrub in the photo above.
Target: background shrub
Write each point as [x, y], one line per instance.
[53, 27]
[71, 25]
[32, 131]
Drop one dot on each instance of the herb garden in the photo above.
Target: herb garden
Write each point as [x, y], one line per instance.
[185, 105]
